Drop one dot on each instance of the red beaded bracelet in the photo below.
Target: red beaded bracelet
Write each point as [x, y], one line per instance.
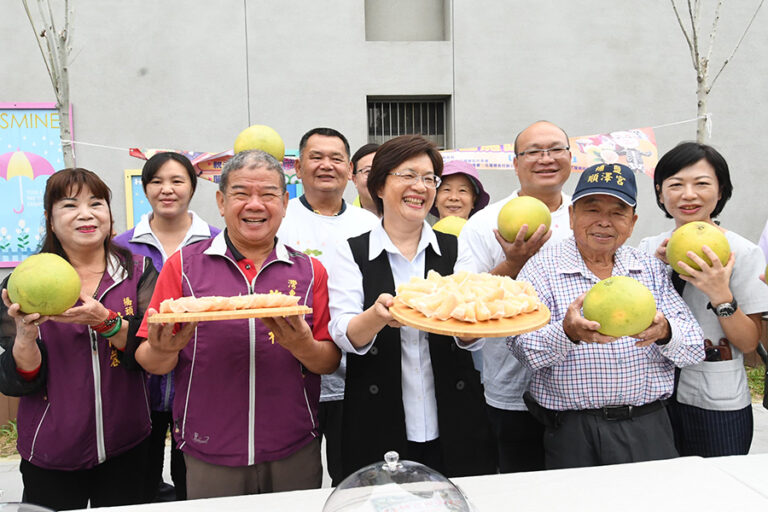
[108, 324]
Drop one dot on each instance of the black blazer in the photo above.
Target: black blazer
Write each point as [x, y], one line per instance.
[374, 419]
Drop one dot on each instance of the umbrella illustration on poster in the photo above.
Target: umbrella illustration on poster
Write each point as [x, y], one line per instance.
[23, 175]
[20, 164]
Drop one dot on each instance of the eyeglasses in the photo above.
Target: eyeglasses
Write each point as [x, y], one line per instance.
[411, 178]
[364, 171]
[535, 154]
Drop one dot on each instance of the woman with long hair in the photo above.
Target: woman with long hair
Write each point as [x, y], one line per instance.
[83, 419]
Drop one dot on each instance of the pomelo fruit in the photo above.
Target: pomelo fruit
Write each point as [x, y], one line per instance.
[44, 283]
[622, 305]
[259, 136]
[691, 237]
[522, 210]
[450, 224]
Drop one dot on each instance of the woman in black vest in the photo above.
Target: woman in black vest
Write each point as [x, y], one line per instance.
[406, 390]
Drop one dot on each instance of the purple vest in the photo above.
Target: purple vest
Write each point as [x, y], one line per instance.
[241, 398]
[91, 408]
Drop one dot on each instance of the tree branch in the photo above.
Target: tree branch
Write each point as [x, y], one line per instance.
[713, 32]
[695, 12]
[39, 44]
[685, 34]
[726, 61]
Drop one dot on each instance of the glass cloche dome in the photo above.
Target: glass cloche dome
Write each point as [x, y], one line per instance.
[395, 485]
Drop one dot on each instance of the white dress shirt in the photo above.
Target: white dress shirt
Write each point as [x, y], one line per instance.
[345, 289]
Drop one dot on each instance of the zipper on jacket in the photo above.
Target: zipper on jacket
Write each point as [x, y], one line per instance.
[99, 416]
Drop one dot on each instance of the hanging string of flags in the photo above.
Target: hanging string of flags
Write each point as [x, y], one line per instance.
[635, 148]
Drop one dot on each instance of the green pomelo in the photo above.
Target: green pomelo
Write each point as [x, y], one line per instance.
[450, 224]
[691, 237]
[522, 210]
[44, 283]
[261, 137]
[623, 306]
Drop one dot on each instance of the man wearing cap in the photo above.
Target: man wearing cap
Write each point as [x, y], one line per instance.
[602, 398]
[317, 223]
[543, 164]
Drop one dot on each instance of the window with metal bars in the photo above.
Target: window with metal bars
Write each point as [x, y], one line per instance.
[389, 118]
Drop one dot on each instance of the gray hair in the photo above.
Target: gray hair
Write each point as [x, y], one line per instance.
[252, 159]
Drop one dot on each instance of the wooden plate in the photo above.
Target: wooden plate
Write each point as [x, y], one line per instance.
[208, 316]
[513, 326]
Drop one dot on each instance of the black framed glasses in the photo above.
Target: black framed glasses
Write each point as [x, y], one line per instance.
[535, 154]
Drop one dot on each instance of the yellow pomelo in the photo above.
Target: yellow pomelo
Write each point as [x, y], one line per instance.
[261, 137]
[450, 224]
[522, 210]
[691, 237]
[44, 283]
[623, 306]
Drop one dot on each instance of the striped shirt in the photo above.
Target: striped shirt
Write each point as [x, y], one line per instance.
[567, 376]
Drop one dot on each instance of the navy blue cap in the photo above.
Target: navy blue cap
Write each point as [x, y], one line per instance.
[615, 180]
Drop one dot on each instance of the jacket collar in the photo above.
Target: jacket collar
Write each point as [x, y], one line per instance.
[220, 247]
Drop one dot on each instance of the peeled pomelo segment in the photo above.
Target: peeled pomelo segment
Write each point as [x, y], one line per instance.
[447, 305]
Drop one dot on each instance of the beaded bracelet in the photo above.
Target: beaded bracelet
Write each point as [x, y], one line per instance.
[108, 324]
[115, 329]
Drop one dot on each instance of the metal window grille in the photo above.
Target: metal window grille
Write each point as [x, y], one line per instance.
[389, 118]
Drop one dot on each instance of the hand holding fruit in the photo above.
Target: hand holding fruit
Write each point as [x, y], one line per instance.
[522, 248]
[713, 280]
[579, 328]
[26, 325]
[661, 251]
[90, 312]
[658, 330]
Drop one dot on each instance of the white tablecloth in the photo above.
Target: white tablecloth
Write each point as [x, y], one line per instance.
[689, 483]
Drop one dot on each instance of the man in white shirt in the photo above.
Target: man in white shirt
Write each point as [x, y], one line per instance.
[543, 164]
[317, 223]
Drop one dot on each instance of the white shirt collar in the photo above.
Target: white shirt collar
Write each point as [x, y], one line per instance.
[198, 227]
[380, 241]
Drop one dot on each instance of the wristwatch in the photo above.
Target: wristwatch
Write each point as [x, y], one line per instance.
[725, 309]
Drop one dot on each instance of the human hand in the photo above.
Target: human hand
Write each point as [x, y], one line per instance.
[291, 332]
[90, 312]
[661, 251]
[26, 325]
[658, 330]
[162, 338]
[381, 310]
[520, 250]
[579, 328]
[712, 280]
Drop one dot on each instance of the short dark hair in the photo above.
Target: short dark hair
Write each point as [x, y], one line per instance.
[539, 121]
[393, 153]
[360, 153]
[251, 159]
[157, 161]
[686, 154]
[325, 132]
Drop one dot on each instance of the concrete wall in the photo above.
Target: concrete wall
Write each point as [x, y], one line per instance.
[180, 74]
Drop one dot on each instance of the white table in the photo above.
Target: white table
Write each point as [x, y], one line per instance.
[689, 483]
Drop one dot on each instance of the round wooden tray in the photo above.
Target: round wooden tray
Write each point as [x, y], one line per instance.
[208, 316]
[513, 326]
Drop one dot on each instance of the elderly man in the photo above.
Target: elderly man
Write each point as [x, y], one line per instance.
[602, 398]
[543, 164]
[318, 223]
[247, 391]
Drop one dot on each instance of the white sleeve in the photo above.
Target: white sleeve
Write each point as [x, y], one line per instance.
[474, 253]
[345, 298]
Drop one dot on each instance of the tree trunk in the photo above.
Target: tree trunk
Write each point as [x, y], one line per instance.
[63, 106]
[701, 113]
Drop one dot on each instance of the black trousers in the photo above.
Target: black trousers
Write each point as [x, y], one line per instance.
[429, 453]
[329, 416]
[117, 481]
[585, 440]
[162, 421]
[519, 439]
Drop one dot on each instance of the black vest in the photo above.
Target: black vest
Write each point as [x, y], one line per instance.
[374, 419]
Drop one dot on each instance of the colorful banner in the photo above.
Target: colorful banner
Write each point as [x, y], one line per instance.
[30, 151]
[209, 165]
[634, 148]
